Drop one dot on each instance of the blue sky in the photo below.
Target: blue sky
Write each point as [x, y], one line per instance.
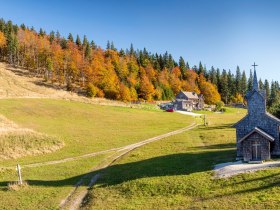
[222, 33]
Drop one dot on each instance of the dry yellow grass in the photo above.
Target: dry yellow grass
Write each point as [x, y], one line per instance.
[17, 142]
[15, 83]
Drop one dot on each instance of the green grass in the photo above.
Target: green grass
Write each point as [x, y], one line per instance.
[84, 128]
[176, 173]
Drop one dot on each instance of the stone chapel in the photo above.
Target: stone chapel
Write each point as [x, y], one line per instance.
[257, 134]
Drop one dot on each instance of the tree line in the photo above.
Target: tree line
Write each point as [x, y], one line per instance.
[127, 74]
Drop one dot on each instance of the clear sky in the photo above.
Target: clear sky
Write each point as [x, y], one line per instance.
[222, 33]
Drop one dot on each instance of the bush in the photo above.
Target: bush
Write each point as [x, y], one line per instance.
[219, 106]
[91, 90]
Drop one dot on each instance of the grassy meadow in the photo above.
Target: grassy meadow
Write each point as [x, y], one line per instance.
[83, 128]
[177, 174]
[86, 128]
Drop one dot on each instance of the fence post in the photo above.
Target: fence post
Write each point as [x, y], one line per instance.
[19, 174]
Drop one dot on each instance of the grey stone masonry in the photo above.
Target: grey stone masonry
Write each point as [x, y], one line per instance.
[257, 117]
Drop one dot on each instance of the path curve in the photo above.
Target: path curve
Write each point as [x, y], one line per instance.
[75, 198]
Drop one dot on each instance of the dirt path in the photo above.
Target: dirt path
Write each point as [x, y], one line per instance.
[76, 196]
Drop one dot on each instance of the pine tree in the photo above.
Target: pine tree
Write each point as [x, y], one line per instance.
[78, 41]
[87, 51]
[70, 37]
[243, 83]
[274, 96]
[85, 42]
[219, 80]
[267, 89]
[57, 36]
[261, 85]
[250, 81]
[121, 53]
[170, 62]
[63, 43]
[231, 86]
[112, 46]
[42, 32]
[182, 65]
[131, 50]
[23, 27]
[187, 66]
[51, 36]
[224, 86]
[238, 81]
[93, 45]
[2, 25]
[108, 45]
[213, 76]
[200, 69]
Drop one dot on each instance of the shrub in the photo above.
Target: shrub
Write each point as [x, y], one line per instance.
[219, 106]
[91, 90]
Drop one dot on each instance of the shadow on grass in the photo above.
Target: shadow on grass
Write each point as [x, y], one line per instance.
[169, 165]
[223, 126]
[217, 146]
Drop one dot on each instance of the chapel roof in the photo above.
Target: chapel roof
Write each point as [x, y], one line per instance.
[259, 131]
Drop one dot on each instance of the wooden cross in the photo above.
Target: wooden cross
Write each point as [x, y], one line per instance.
[256, 146]
[254, 66]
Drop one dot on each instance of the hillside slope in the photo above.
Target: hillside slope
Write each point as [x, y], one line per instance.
[16, 83]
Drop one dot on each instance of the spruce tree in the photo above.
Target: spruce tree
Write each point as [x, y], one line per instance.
[274, 95]
[42, 32]
[85, 42]
[219, 80]
[238, 80]
[243, 83]
[131, 50]
[112, 46]
[57, 36]
[200, 68]
[63, 43]
[51, 36]
[23, 27]
[231, 86]
[224, 86]
[108, 45]
[267, 89]
[187, 66]
[70, 37]
[121, 53]
[87, 51]
[250, 81]
[182, 65]
[261, 85]
[78, 41]
[93, 45]
[213, 76]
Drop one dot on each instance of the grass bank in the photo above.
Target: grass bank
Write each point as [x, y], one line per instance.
[84, 128]
[177, 174]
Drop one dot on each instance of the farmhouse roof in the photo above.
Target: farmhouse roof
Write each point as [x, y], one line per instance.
[259, 131]
[190, 95]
